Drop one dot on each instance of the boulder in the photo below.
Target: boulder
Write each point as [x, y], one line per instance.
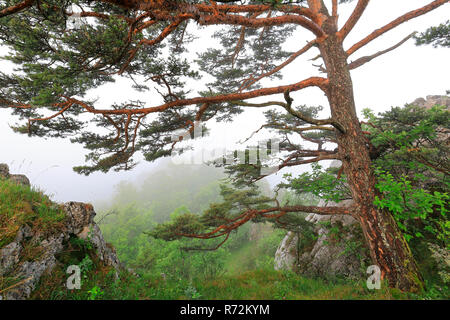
[337, 250]
[432, 101]
[79, 223]
[17, 178]
[20, 179]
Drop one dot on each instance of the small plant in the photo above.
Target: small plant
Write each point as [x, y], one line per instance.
[86, 265]
[82, 243]
[95, 293]
[191, 292]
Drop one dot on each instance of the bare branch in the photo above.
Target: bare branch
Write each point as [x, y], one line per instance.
[406, 17]
[208, 249]
[305, 118]
[16, 8]
[238, 46]
[334, 11]
[248, 82]
[324, 156]
[363, 60]
[260, 22]
[354, 18]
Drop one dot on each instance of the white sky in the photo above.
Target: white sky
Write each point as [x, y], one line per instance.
[394, 79]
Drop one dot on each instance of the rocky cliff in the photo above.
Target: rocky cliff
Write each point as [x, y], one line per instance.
[432, 101]
[335, 248]
[36, 235]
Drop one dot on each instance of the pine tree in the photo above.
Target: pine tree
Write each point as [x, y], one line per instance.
[58, 63]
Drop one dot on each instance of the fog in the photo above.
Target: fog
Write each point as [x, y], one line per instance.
[394, 79]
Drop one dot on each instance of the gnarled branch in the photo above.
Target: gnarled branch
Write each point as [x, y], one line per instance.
[363, 60]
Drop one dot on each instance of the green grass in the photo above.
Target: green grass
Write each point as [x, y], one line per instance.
[250, 285]
[241, 258]
[21, 205]
[269, 285]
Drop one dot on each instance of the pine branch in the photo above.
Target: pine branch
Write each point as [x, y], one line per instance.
[363, 60]
[16, 8]
[404, 18]
[354, 18]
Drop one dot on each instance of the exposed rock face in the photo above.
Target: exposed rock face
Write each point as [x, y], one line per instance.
[431, 101]
[17, 178]
[287, 254]
[20, 179]
[338, 248]
[79, 223]
[441, 257]
[4, 171]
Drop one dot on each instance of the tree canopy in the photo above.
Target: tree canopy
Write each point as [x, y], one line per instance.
[57, 64]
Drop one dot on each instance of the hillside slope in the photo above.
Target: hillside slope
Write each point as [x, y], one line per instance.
[40, 240]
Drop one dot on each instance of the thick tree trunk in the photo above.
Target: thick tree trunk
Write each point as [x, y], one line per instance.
[388, 248]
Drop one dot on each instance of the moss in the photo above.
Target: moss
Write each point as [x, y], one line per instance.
[20, 205]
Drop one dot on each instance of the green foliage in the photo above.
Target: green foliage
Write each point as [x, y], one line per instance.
[241, 269]
[86, 265]
[437, 36]
[235, 202]
[409, 140]
[321, 184]
[95, 293]
[248, 285]
[84, 244]
[412, 167]
[191, 292]
[413, 208]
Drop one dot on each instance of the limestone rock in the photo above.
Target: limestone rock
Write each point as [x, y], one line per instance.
[431, 101]
[9, 257]
[4, 171]
[331, 254]
[20, 179]
[79, 223]
[441, 257]
[80, 215]
[105, 252]
[17, 178]
[286, 255]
